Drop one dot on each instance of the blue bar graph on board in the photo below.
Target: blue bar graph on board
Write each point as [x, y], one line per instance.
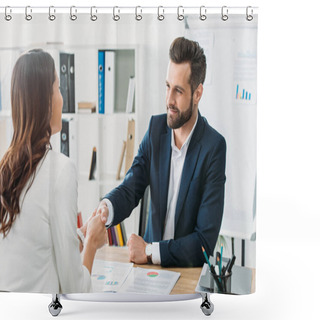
[244, 96]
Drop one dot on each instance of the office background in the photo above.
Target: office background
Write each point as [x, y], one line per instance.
[288, 171]
[140, 49]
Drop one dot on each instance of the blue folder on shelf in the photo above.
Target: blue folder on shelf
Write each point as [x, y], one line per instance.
[101, 67]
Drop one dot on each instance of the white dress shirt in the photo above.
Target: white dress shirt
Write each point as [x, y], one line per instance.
[177, 162]
[41, 251]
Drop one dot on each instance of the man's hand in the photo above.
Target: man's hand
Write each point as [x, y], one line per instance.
[103, 211]
[137, 249]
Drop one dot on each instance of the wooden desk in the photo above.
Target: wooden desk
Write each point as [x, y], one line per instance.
[186, 283]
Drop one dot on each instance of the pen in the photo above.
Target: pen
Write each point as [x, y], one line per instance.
[223, 271]
[206, 257]
[216, 278]
[217, 257]
[231, 264]
[219, 263]
[227, 266]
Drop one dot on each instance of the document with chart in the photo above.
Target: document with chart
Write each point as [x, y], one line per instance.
[108, 276]
[150, 281]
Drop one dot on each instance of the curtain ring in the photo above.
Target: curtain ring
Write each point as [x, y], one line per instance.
[28, 16]
[249, 17]
[52, 17]
[93, 17]
[160, 16]
[203, 15]
[73, 16]
[116, 17]
[7, 16]
[180, 16]
[224, 13]
[138, 16]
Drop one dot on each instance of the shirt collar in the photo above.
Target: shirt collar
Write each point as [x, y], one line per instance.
[187, 142]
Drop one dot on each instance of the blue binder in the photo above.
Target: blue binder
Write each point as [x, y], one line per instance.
[101, 64]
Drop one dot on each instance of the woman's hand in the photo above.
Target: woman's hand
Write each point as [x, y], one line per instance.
[85, 226]
[96, 234]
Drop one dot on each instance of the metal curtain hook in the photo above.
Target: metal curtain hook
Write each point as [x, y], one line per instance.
[116, 17]
[73, 16]
[160, 16]
[203, 15]
[28, 15]
[224, 13]
[138, 16]
[7, 16]
[52, 17]
[93, 17]
[180, 15]
[249, 17]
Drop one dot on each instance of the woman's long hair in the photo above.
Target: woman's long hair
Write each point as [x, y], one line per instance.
[31, 102]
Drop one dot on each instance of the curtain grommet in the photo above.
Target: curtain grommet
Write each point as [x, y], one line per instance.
[203, 15]
[249, 17]
[224, 13]
[180, 15]
[138, 16]
[52, 17]
[7, 16]
[93, 17]
[28, 16]
[116, 17]
[73, 15]
[160, 16]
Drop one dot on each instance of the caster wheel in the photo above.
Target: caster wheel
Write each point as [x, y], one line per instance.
[55, 308]
[207, 306]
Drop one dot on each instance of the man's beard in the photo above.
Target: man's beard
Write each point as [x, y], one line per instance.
[182, 117]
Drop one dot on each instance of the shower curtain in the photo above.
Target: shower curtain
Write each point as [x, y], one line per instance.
[113, 65]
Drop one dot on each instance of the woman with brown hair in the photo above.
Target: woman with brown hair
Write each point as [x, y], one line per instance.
[39, 246]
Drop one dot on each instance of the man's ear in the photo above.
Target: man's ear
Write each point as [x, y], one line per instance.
[198, 94]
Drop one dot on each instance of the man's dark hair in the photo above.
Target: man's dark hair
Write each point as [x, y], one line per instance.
[184, 50]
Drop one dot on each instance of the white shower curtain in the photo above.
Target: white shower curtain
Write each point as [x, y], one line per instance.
[229, 103]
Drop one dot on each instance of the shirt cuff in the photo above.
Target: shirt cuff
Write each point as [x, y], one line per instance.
[111, 212]
[155, 249]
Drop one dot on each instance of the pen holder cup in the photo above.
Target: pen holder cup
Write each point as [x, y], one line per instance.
[220, 284]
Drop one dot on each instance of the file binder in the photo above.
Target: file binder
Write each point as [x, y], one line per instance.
[93, 166]
[109, 82]
[130, 145]
[101, 75]
[67, 82]
[130, 96]
[68, 141]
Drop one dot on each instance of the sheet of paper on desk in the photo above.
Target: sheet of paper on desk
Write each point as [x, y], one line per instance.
[108, 276]
[150, 281]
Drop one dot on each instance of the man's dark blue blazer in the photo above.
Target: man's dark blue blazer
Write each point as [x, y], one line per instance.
[201, 197]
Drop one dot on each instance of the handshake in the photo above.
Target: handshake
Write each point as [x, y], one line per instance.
[95, 235]
[94, 230]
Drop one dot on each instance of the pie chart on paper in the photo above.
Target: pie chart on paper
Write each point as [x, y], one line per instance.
[152, 274]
